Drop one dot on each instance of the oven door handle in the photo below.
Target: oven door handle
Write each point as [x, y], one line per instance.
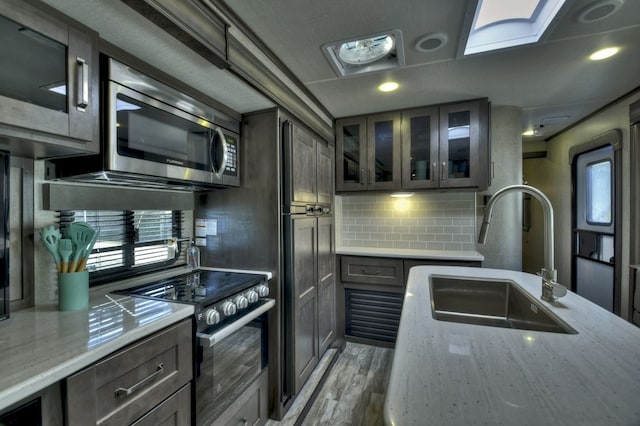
[208, 340]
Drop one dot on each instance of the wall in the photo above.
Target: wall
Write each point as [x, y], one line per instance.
[503, 247]
[426, 221]
[553, 176]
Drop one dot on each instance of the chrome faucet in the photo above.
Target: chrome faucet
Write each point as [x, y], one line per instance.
[550, 288]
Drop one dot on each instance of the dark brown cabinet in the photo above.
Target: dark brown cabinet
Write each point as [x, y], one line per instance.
[154, 372]
[368, 152]
[371, 293]
[310, 252]
[435, 147]
[48, 82]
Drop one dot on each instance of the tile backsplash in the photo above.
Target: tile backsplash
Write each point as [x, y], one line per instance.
[426, 221]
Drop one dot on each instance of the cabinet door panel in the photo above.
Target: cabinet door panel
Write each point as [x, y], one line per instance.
[326, 283]
[461, 139]
[303, 166]
[325, 172]
[420, 148]
[383, 134]
[351, 154]
[41, 78]
[304, 304]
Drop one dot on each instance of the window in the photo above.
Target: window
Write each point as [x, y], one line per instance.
[130, 242]
[598, 189]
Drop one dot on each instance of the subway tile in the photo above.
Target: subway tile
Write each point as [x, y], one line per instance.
[453, 246]
[444, 237]
[401, 244]
[463, 238]
[417, 245]
[409, 237]
[363, 236]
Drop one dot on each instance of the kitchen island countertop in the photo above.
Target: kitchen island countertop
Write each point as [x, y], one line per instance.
[41, 346]
[411, 253]
[447, 373]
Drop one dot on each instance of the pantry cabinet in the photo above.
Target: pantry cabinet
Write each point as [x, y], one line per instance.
[435, 147]
[49, 82]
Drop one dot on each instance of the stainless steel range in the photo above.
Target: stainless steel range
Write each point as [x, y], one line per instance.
[231, 333]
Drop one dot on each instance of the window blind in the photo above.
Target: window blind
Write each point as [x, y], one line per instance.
[130, 241]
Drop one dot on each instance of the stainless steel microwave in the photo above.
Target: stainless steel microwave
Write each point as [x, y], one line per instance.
[156, 136]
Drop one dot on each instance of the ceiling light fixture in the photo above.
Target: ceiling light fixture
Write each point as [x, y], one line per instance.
[389, 86]
[604, 53]
[402, 194]
[529, 133]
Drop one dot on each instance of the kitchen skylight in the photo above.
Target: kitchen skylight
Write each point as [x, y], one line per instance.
[498, 24]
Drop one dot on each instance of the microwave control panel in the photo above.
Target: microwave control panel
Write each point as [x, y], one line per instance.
[232, 156]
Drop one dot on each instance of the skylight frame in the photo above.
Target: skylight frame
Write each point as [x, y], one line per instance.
[511, 32]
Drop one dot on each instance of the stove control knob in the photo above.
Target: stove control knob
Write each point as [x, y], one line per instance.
[241, 302]
[228, 308]
[212, 316]
[252, 296]
[263, 290]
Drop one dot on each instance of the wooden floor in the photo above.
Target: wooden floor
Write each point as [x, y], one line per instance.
[353, 393]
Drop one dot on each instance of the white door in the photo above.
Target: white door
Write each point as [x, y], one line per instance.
[594, 233]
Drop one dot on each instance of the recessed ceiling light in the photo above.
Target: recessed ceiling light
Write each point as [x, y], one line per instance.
[389, 86]
[604, 53]
[529, 133]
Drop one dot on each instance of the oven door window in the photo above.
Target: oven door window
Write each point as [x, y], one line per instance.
[228, 367]
[153, 134]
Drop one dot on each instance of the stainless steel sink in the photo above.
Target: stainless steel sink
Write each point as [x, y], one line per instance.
[496, 303]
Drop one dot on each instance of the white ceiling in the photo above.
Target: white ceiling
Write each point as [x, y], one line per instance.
[550, 79]
[553, 78]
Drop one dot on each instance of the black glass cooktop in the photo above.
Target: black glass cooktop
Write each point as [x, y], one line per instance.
[202, 287]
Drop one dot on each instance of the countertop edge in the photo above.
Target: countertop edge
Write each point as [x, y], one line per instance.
[461, 342]
[412, 254]
[34, 384]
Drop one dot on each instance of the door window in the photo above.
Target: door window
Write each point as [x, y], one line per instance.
[598, 181]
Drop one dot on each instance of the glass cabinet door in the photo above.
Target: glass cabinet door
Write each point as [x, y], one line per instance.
[383, 170]
[351, 154]
[420, 148]
[459, 145]
[49, 74]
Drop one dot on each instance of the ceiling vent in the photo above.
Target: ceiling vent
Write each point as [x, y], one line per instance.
[599, 10]
[375, 52]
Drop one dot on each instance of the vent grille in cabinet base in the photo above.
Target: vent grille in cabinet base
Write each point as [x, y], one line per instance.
[372, 314]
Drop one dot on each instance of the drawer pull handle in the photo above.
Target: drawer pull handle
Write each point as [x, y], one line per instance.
[365, 272]
[126, 392]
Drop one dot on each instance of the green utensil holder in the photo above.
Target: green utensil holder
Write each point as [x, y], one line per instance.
[73, 291]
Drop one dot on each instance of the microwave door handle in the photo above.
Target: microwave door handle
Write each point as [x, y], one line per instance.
[219, 171]
[208, 340]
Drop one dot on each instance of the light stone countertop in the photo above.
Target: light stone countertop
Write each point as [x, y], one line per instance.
[41, 345]
[447, 373]
[411, 253]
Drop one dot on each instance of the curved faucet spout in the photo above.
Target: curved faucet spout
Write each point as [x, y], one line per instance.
[548, 273]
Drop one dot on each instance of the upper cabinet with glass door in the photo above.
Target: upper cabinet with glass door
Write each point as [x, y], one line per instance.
[49, 89]
[368, 153]
[464, 145]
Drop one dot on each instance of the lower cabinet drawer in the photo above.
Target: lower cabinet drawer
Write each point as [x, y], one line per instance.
[372, 315]
[176, 411]
[372, 270]
[126, 385]
[251, 407]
